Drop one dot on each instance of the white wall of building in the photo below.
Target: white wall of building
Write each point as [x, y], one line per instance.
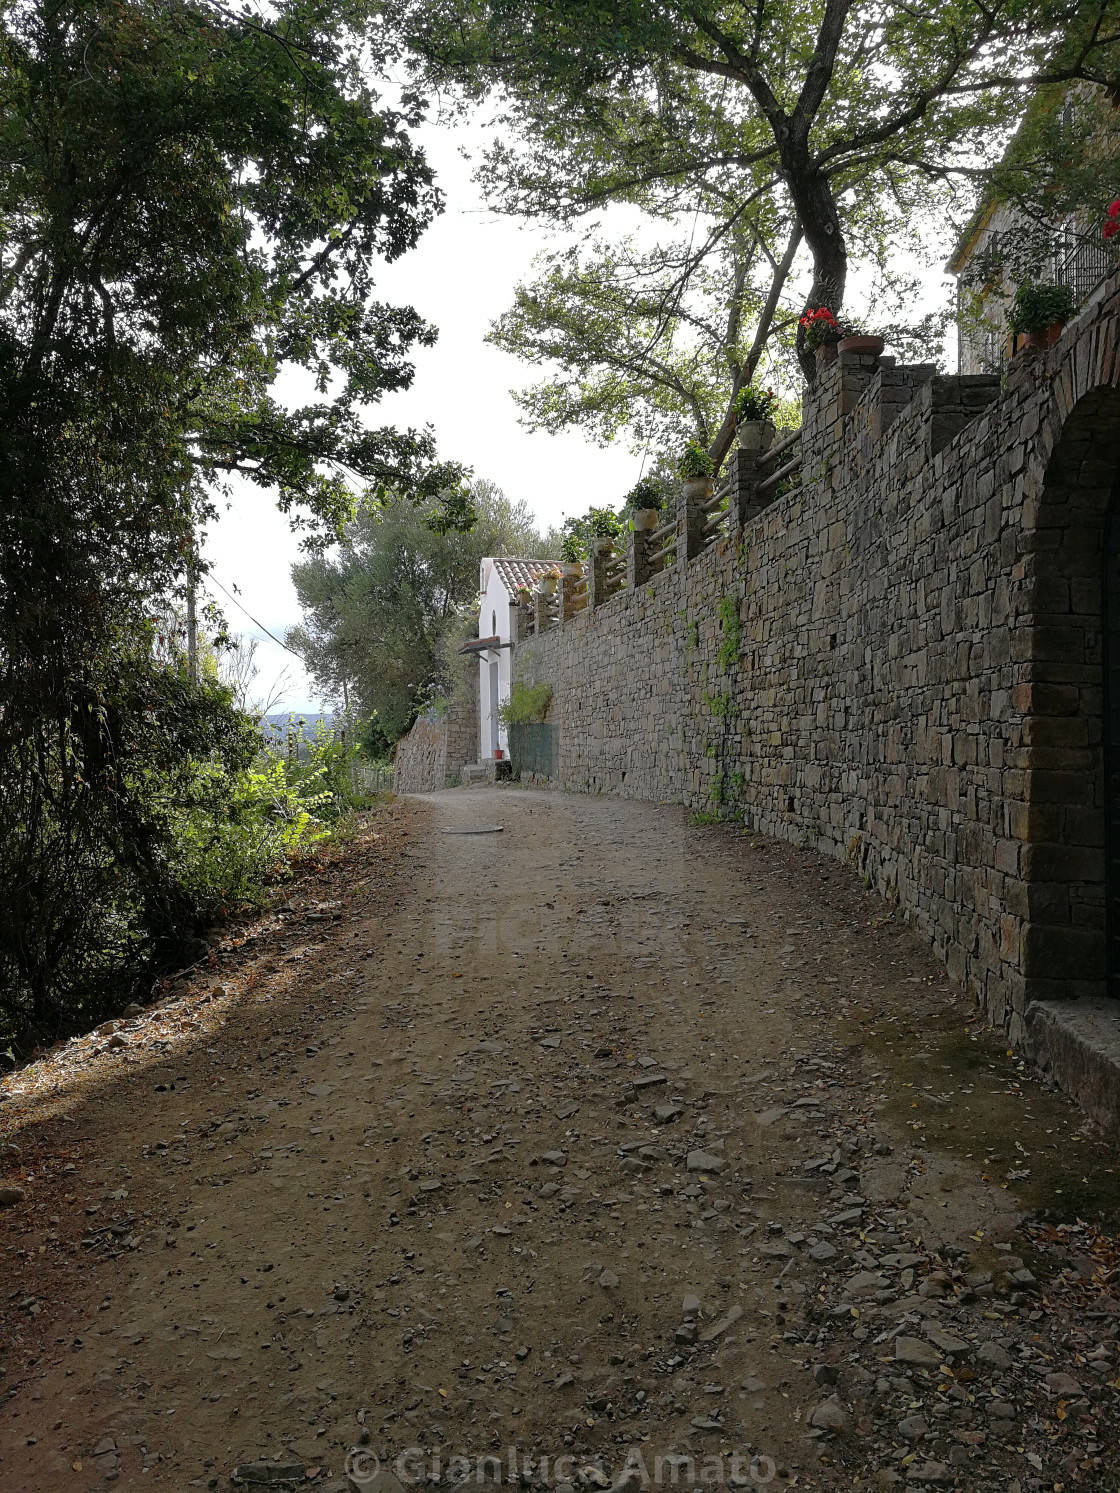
[494, 665]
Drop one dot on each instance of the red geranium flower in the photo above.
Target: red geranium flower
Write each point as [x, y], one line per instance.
[1114, 209]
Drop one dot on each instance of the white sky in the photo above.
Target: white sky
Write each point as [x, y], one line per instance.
[460, 277]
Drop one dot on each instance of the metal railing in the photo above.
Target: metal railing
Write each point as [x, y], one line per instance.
[774, 479]
[1083, 266]
[656, 560]
[716, 508]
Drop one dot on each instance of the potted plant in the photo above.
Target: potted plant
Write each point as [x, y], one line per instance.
[753, 411]
[644, 504]
[548, 581]
[572, 554]
[695, 467]
[822, 331]
[605, 526]
[522, 595]
[1039, 312]
[1112, 224]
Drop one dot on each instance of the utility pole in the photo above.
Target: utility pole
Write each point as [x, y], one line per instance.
[192, 620]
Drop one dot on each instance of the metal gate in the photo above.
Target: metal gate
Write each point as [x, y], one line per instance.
[534, 746]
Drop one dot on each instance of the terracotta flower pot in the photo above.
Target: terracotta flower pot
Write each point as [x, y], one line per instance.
[569, 567]
[1046, 338]
[600, 545]
[869, 346]
[644, 519]
[547, 584]
[698, 488]
[755, 436]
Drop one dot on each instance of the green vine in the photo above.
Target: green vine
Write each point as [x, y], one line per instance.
[730, 625]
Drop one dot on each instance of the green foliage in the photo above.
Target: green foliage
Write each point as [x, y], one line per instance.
[730, 625]
[721, 705]
[379, 609]
[596, 523]
[605, 523]
[192, 197]
[526, 703]
[1037, 306]
[627, 352]
[752, 403]
[573, 550]
[233, 836]
[848, 123]
[90, 865]
[373, 744]
[648, 493]
[1055, 180]
[694, 462]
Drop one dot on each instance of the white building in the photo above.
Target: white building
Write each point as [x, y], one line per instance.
[499, 578]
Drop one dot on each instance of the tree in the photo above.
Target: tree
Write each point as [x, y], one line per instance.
[191, 198]
[376, 610]
[841, 116]
[647, 343]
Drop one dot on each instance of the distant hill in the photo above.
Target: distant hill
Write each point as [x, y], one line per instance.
[280, 727]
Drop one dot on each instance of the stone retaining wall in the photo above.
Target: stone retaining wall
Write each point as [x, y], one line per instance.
[434, 752]
[419, 765]
[901, 664]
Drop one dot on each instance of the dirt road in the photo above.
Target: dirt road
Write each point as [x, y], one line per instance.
[601, 1136]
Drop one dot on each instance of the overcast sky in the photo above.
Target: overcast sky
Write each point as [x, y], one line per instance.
[460, 277]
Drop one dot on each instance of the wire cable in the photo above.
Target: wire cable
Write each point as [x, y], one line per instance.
[212, 577]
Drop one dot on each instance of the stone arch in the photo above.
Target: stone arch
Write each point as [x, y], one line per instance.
[1063, 753]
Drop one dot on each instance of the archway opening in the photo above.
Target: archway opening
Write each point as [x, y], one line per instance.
[1071, 862]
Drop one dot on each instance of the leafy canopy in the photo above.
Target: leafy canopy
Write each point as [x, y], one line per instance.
[192, 198]
[837, 122]
[379, 611]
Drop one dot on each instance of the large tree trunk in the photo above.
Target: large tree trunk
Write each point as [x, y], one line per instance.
[812, 196]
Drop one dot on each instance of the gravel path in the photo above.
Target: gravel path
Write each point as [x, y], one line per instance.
[605, 1143]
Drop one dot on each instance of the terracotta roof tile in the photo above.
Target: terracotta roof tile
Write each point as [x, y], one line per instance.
[516, 573]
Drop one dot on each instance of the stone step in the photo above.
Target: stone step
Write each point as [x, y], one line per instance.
[1077, 1044]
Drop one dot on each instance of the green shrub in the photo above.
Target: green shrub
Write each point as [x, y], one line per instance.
[604, 523]
[572, 550]
[526, 703]
[694, 462]
[648, 493]
[1036, 306]
[755, 404]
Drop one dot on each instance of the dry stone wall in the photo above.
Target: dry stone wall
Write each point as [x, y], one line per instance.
[420, 762]
[435, 751]
[901, 664]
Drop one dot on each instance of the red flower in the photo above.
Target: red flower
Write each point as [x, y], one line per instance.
[1114, 209]
[1111, 229]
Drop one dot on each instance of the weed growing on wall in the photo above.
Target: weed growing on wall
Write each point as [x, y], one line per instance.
[728, 652]
[526, 703]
